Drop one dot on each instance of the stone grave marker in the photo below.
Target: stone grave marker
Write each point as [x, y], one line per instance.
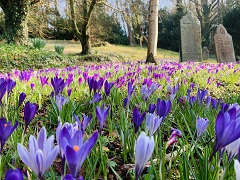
[205, 53]
[224, 45]
[191, 42]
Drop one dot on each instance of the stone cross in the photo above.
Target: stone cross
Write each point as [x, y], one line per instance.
[224, 45]
[205, 53]
[191, 42]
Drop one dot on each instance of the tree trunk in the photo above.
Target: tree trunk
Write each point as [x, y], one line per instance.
[16, 17]
[152, 32]
[85, 42]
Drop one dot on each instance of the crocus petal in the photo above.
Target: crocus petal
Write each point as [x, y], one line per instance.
[72, 160]
[86, 148]
[50, 159]
[26, 158]
[14, 175]
[237, 169]
[39, 162]
[42, 137]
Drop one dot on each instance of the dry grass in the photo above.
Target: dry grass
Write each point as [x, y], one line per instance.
[127, 52]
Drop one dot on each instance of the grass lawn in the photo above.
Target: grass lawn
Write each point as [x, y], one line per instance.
[126, 52]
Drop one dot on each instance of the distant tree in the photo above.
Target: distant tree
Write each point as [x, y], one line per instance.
[231, 22]
[152, 32]
[169, 37]
[105, 27]
[80, 25]
[16, 18]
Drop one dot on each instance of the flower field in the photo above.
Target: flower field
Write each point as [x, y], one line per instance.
[121, 121]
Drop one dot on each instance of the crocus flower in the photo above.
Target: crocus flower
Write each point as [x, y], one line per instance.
[77, 151]
[172, 91]
[163, 107]
[137, 119]
[107, 87]
[21, 98]
[201, 125]
[232, 149]
[3, 88]
[152, 123]
[70, 177]
[41, 153]
[69, 92]
[151, 108]
[60, 101]
[10, 85]
[130, 91]
[96, 98]
[227, 129]
[58, 85]
[15, 174]
[191, 100]
[201, 95]
[214, 103]
[146, 92]
[6, 129]
[44, 80]
[30, 110]
[85, 121]
[32, 85]
[143, 151]
[208, 101]
[175, 133]
[67, 130]
[101, 114]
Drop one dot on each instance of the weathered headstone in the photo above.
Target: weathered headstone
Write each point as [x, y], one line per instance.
[224, 45]
[205, 53]
[191, 42]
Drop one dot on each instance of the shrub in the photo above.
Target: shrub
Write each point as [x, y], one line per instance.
[59, 49]
[38, 43]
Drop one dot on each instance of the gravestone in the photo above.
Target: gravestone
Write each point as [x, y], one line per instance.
[224, 45]
[205, 53]
[191, 42]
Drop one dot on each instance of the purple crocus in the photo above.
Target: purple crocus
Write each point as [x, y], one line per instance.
[69, 92]
[227, 129]
[3, 88]
[15, 174]
[10, 85]
[30, 110]
[143, 151]
[201, 95]
[44, 80]
[21, 98]
[163, 107]
[60, 101]
[58, 84]
[41, 153]
[67, 130]
[77, 151]
[70, 177]
[172, 91]
[152, 123]
[131, 88]
[137, 119]
[201, 125]
[208, 102]
[96, 98]
[85, 121]
[175, 133]
[6, 129]
[107, 87]
[101, 114]
[151, 108]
